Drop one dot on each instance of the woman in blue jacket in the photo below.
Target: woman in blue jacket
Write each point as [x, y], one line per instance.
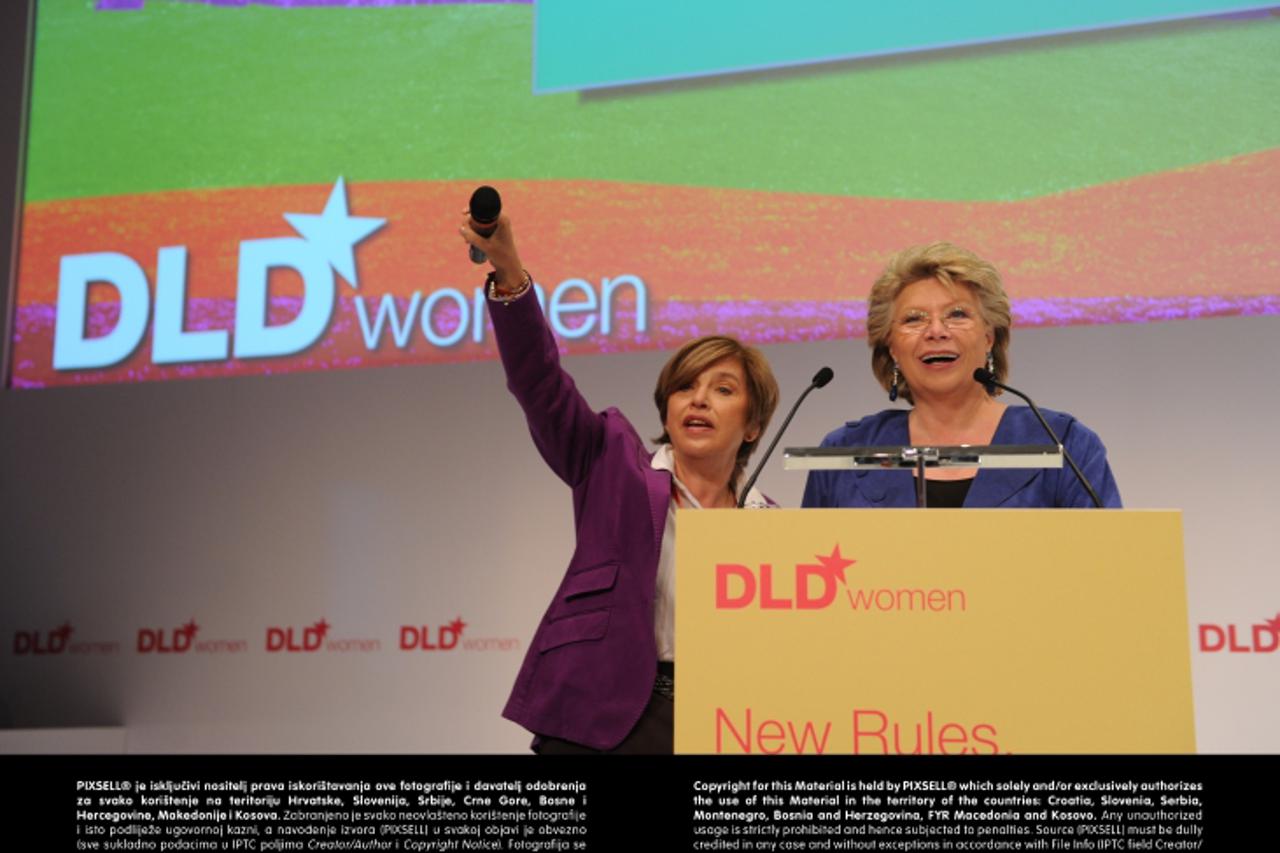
[935, 315]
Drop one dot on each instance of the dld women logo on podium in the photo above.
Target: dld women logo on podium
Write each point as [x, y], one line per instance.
[816, 586]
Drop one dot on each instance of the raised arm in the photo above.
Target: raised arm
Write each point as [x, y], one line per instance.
[566, 431]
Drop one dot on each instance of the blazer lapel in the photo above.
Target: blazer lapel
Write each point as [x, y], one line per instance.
[889, 488]
[658, 484]
[993, 487]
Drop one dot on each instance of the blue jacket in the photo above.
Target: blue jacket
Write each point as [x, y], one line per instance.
[993, 487]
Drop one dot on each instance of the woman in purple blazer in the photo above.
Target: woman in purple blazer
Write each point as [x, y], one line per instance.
[599, 674]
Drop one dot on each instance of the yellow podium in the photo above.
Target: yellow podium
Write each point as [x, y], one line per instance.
[871, 632]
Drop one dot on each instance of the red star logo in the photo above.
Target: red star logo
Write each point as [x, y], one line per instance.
[457, 625]
[1273, 624]
[190, 628]
[833, 564]
[64, 630]
[322, 627]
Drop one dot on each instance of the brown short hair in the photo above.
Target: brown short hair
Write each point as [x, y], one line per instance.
[950, 265]
[699, 354]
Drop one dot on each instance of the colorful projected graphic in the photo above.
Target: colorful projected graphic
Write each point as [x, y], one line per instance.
[583, 44]
[222, 189]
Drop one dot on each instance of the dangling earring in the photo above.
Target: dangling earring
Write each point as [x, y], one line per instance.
[893, 387]
[991, 363]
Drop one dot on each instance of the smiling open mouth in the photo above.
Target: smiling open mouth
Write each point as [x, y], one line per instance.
[697, 422]
[940, 358]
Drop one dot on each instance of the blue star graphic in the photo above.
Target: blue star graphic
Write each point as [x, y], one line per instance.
[334, 233]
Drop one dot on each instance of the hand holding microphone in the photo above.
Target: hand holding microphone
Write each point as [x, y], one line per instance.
[483, 212]
[487, 231]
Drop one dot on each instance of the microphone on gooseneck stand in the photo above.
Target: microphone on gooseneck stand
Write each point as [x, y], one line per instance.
[987, 378]
[820, 379]
[485, 208]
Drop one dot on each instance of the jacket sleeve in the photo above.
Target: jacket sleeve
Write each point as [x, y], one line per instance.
[1089, 453]
[567, 433]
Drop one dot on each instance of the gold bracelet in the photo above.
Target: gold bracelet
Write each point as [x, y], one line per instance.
[506, 296]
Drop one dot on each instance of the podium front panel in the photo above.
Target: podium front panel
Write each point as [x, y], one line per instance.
[932, 632]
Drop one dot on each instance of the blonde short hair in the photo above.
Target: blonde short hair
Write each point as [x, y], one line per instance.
[699, 354]
[950, 265]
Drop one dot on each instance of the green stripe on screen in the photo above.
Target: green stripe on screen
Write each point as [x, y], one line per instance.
[190, 96]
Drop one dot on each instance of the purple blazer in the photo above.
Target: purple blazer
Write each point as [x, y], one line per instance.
[589, 670]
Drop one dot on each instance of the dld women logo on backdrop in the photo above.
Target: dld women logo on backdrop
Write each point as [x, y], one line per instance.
[327, 245]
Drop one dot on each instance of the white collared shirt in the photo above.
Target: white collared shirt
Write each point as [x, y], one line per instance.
[664, 602]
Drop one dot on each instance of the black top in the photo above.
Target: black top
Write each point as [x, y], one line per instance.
[946, 494]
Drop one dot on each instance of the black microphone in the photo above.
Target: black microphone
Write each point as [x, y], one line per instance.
[485, 208]
[820, 380]
[988, 379]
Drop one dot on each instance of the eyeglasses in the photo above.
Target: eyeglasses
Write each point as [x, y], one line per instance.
[957, 318]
